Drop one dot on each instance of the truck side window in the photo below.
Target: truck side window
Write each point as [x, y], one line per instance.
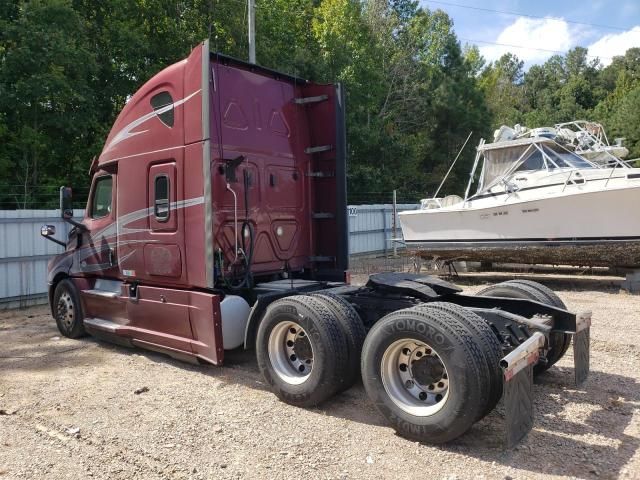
[101, 200]
[162, 104]
[161, 198]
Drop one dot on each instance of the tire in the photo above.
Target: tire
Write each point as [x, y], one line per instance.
[67, 309]
[491, 347]
[353, 330]
[558, 342]
[415, 414]
[314, 334]
[555, 301]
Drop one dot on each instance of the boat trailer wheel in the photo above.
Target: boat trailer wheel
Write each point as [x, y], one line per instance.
[65, 309]
[291, 352]
[415, 377]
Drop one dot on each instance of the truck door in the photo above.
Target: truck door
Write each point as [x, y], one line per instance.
[158, 311]
[98, 253]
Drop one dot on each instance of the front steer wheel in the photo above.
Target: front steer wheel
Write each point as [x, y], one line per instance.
[426, 374]
[301, 350]
[67, 309]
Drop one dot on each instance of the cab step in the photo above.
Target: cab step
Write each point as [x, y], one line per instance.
[105, 288]
[100, 293]
[102, 325]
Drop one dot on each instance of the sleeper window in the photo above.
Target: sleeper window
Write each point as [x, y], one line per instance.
[161, 195]
[101, 201]
[162, 104]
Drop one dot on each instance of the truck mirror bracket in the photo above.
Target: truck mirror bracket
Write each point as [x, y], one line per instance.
[47, 231]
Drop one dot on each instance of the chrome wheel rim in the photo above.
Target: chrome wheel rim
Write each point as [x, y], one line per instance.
[291, 352]
[65, 309]
[415, 377]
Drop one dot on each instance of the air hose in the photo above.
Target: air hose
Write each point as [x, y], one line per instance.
[247, 253]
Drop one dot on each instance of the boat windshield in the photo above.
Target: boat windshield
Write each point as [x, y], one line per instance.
[535, 161]
[562, 158]
[501, 162]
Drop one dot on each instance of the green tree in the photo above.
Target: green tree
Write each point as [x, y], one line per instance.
[67, 68]
[625, 121]
[501, 83]
[46, 95]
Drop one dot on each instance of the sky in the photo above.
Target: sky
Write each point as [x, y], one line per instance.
[606, 28]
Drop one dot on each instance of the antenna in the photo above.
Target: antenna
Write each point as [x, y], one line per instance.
[451, 167]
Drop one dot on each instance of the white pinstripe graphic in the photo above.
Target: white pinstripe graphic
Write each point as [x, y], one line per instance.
[119, 229]
[126, 133]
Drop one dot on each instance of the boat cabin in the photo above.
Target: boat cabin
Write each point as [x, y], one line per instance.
[509, 165]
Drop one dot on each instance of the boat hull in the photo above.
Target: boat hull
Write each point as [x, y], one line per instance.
[596, 228]
[590, 254]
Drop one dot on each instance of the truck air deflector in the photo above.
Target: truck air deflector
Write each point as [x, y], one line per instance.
[342, 253]
[206, 166]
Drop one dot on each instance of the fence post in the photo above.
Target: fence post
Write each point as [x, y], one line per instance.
[394, 212]
[385, 228]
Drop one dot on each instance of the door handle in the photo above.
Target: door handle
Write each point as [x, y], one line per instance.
[112, 257]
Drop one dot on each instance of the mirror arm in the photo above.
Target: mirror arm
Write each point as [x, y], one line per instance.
[55, 240]
[78, 225]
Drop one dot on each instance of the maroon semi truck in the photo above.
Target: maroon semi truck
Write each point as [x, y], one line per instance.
[217, 219]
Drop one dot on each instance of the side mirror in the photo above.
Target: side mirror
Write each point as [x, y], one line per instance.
[47, 230]
[66, 206]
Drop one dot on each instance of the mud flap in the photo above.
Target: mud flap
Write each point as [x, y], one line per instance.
[517, 368]
[581, 338]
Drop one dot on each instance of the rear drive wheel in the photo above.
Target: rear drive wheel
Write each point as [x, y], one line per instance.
[301, 350]
[486, 339]
[558, 342]
[552, 296]
[67, 309]
[555, 301]
[425, 374]
[353, 330]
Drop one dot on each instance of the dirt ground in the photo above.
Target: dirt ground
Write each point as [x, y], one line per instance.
[68, 409]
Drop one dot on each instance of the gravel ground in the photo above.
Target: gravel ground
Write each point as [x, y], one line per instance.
[68, 409]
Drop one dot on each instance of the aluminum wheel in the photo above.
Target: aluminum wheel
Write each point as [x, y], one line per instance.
[415, 377]
[65, 309]
[291, 352]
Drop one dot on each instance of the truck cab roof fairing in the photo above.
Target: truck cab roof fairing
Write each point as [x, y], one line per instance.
[264, 71]
[132, 132]
[128, 135]
[139, 128]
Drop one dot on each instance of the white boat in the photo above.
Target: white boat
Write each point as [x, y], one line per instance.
[534, 194]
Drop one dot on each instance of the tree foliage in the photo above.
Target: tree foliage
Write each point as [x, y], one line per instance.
[565, 88]
[414, 93]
